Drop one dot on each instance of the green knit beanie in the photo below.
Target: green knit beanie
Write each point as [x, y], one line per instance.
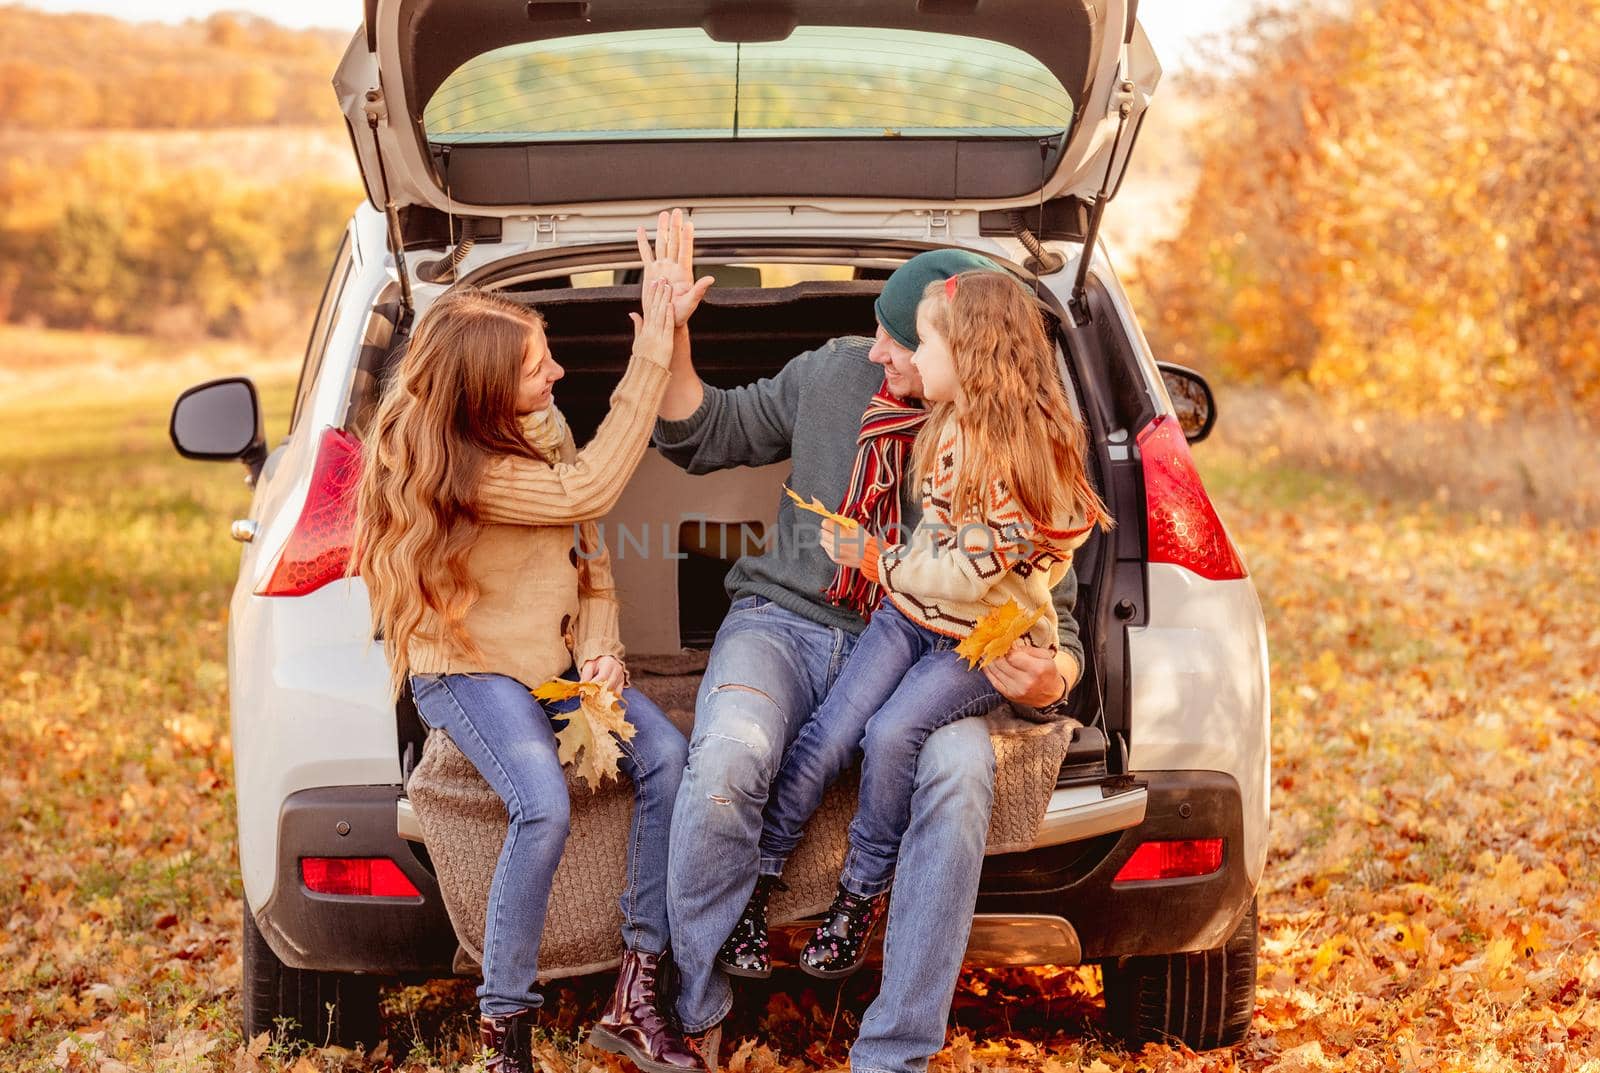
[897, 303]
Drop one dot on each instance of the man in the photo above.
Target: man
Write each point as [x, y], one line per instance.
[792, 624]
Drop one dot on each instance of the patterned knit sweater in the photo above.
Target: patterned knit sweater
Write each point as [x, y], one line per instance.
[947, 576]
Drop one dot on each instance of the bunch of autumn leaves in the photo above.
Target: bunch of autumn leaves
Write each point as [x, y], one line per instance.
[590, 743]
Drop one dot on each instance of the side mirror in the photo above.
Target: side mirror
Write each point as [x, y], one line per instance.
[1191, 397]
[220, 421]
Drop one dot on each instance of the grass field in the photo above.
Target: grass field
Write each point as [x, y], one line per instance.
[1431, 899]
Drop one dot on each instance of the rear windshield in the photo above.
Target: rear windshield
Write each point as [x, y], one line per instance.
[819, 82]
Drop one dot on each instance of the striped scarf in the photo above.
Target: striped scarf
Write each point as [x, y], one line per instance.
[546, 430]
[888, 429]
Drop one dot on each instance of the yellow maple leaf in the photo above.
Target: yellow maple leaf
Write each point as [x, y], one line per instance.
[1407, 933]
[1497, 956]
[1328, 953]
[996, 632]
[1533, 939]
[815, 506]
[589, 741]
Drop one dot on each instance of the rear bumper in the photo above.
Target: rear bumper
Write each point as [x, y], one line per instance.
[1055, 904]
[1074, 882]
[337, 933]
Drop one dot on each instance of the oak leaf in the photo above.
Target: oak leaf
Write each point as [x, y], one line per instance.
[996, 632]
[589, 743]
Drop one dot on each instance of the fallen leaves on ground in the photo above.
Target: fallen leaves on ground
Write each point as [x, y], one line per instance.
[589, 742]
[1431, 899]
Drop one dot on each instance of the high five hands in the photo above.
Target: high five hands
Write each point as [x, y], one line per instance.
[672, 259]
[652, 329]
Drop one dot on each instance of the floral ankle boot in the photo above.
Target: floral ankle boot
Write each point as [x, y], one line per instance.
[747, 952]
[839, 945]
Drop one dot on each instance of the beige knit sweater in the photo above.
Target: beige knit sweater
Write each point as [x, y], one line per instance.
[949, 575]
[529, 621]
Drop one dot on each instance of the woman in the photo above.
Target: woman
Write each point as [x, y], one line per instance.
[477, 545]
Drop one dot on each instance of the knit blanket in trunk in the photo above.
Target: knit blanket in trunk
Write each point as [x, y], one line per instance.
[464, 824]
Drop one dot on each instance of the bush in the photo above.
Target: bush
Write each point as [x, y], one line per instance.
[228, 70]
[108, 242]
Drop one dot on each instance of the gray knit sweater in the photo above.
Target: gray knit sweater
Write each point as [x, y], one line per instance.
[810, 414]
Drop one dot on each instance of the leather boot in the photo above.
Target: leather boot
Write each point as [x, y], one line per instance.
[509, 1039]
[634, 1026]
[747, 951]
[839, 945]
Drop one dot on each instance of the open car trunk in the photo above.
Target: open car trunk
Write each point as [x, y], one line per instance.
[672, 607]
[741, 334]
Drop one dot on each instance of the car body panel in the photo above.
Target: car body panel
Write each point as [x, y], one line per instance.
[1201, 696]
[309, 691]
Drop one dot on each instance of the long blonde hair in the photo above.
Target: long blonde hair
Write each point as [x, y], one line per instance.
[1015, 422]
[451, 408]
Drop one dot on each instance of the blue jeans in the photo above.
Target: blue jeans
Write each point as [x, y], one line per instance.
[508, 736]
[901, 683]
[769, 670]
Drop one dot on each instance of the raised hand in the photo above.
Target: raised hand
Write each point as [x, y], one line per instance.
[652, 331]
[672, 258]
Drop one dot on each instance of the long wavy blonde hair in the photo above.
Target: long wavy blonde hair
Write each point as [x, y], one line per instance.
[1014, 418]
[451, 407]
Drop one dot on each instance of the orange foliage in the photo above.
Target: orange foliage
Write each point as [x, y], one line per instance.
[1397, 206]
[114, 241]
[229, 70]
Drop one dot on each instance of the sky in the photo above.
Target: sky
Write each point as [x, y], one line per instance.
[1174, 26]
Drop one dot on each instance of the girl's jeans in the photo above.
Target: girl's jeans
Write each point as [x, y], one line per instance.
[901, 683]
[508, 736]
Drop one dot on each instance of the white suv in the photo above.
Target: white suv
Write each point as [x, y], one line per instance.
[818, 145]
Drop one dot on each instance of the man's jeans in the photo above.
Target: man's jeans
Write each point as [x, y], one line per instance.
[901, 683]
[508, 736]
[769, 670]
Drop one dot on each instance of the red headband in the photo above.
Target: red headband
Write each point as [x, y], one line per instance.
[950, 286]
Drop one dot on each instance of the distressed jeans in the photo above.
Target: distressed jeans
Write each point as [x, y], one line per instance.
[508, 736]
[901, 683]
[769, 670]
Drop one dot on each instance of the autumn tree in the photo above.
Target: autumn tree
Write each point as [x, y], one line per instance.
[85, 71]
[113, 242]
[1397, 207]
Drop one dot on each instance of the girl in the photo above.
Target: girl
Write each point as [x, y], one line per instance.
[468, 508]
[1005, 501]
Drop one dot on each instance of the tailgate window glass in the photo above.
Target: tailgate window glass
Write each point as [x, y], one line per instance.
[820, 82]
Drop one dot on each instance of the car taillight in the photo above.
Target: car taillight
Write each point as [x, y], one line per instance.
[366, 877]
[319, 546]
[1172, 860]
[1181, 524]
